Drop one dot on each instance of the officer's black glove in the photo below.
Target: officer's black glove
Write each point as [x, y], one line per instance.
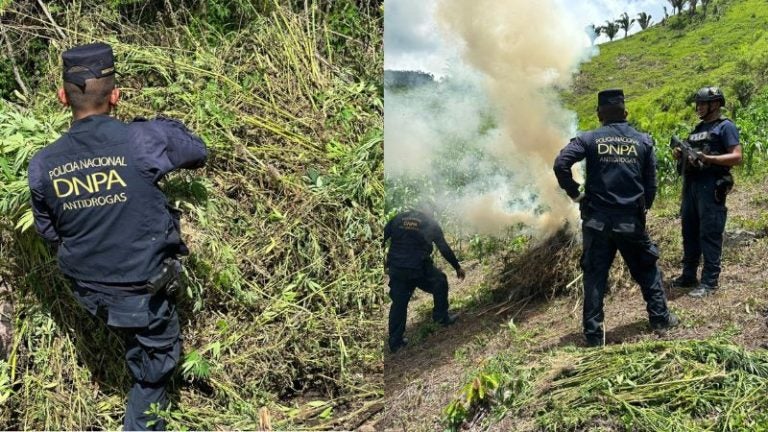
[460, 273]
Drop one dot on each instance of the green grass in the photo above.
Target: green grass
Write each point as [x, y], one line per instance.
[660, 69]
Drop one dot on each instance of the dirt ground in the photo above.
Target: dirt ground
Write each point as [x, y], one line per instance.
[421, 379]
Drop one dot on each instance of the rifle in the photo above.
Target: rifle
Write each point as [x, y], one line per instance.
[688, 155]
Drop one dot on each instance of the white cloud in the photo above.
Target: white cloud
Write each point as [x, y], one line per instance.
[413, 40]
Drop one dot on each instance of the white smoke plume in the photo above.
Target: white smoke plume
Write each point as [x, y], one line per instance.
[494, 117]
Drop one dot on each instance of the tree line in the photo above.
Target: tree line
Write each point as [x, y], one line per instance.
[644, 20]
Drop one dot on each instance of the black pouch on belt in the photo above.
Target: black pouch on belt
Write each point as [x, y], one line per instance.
[723, 186]
[164, 279]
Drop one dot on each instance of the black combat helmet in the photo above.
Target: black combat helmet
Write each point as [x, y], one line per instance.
[709, 94]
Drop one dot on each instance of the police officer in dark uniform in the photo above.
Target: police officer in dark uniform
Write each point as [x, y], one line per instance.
[620, 187]
[705, 186]
[95, 199]
[410, 265]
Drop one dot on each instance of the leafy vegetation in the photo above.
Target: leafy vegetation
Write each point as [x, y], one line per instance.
[281, 309]
[653, 386]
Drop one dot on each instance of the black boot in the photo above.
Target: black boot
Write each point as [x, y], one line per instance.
[593, 341]
[684, 281]
[703, 290]
[661, 329]
[396, 347]
[449, 319]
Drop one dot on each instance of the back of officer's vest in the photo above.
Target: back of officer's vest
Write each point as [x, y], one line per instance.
[411, 241]
[616, 159]
[112, 220]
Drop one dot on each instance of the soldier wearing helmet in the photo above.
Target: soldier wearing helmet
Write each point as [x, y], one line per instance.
[703, 211]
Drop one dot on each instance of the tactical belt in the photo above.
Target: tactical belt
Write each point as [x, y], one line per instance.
[613, 210]
[167, 277]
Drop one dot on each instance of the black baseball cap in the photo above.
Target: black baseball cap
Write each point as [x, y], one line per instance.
[610, 97]
[83, 62]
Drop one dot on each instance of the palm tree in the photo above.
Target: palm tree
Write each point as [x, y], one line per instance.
[666, 14]
[610, 29]
[679, 4]
[674, 5]
[593, 32]
[625, 23]
[693, 4]
[644, 20]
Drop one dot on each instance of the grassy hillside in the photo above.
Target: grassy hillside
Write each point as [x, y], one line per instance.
[280, 311]
[518, 362]
[660, 69]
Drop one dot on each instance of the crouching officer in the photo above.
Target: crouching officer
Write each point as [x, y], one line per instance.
[705, 186]
[620, 187]
[95, 197]
[410, 266]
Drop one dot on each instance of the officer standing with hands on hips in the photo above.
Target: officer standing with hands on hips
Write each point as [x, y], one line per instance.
[410, 266]
[620, 187]
[705, 187]
[95, 199]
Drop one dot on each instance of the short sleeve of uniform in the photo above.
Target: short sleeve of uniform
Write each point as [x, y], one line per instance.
[729, 134]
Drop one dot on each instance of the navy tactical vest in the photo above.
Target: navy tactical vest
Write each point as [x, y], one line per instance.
[112, 219]
[617, 156]
[706, 137]
[411, 240]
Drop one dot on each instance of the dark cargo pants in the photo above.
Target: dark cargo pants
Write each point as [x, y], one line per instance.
[603, 236]
[150, 326]
[402, 283]
[703, 222]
